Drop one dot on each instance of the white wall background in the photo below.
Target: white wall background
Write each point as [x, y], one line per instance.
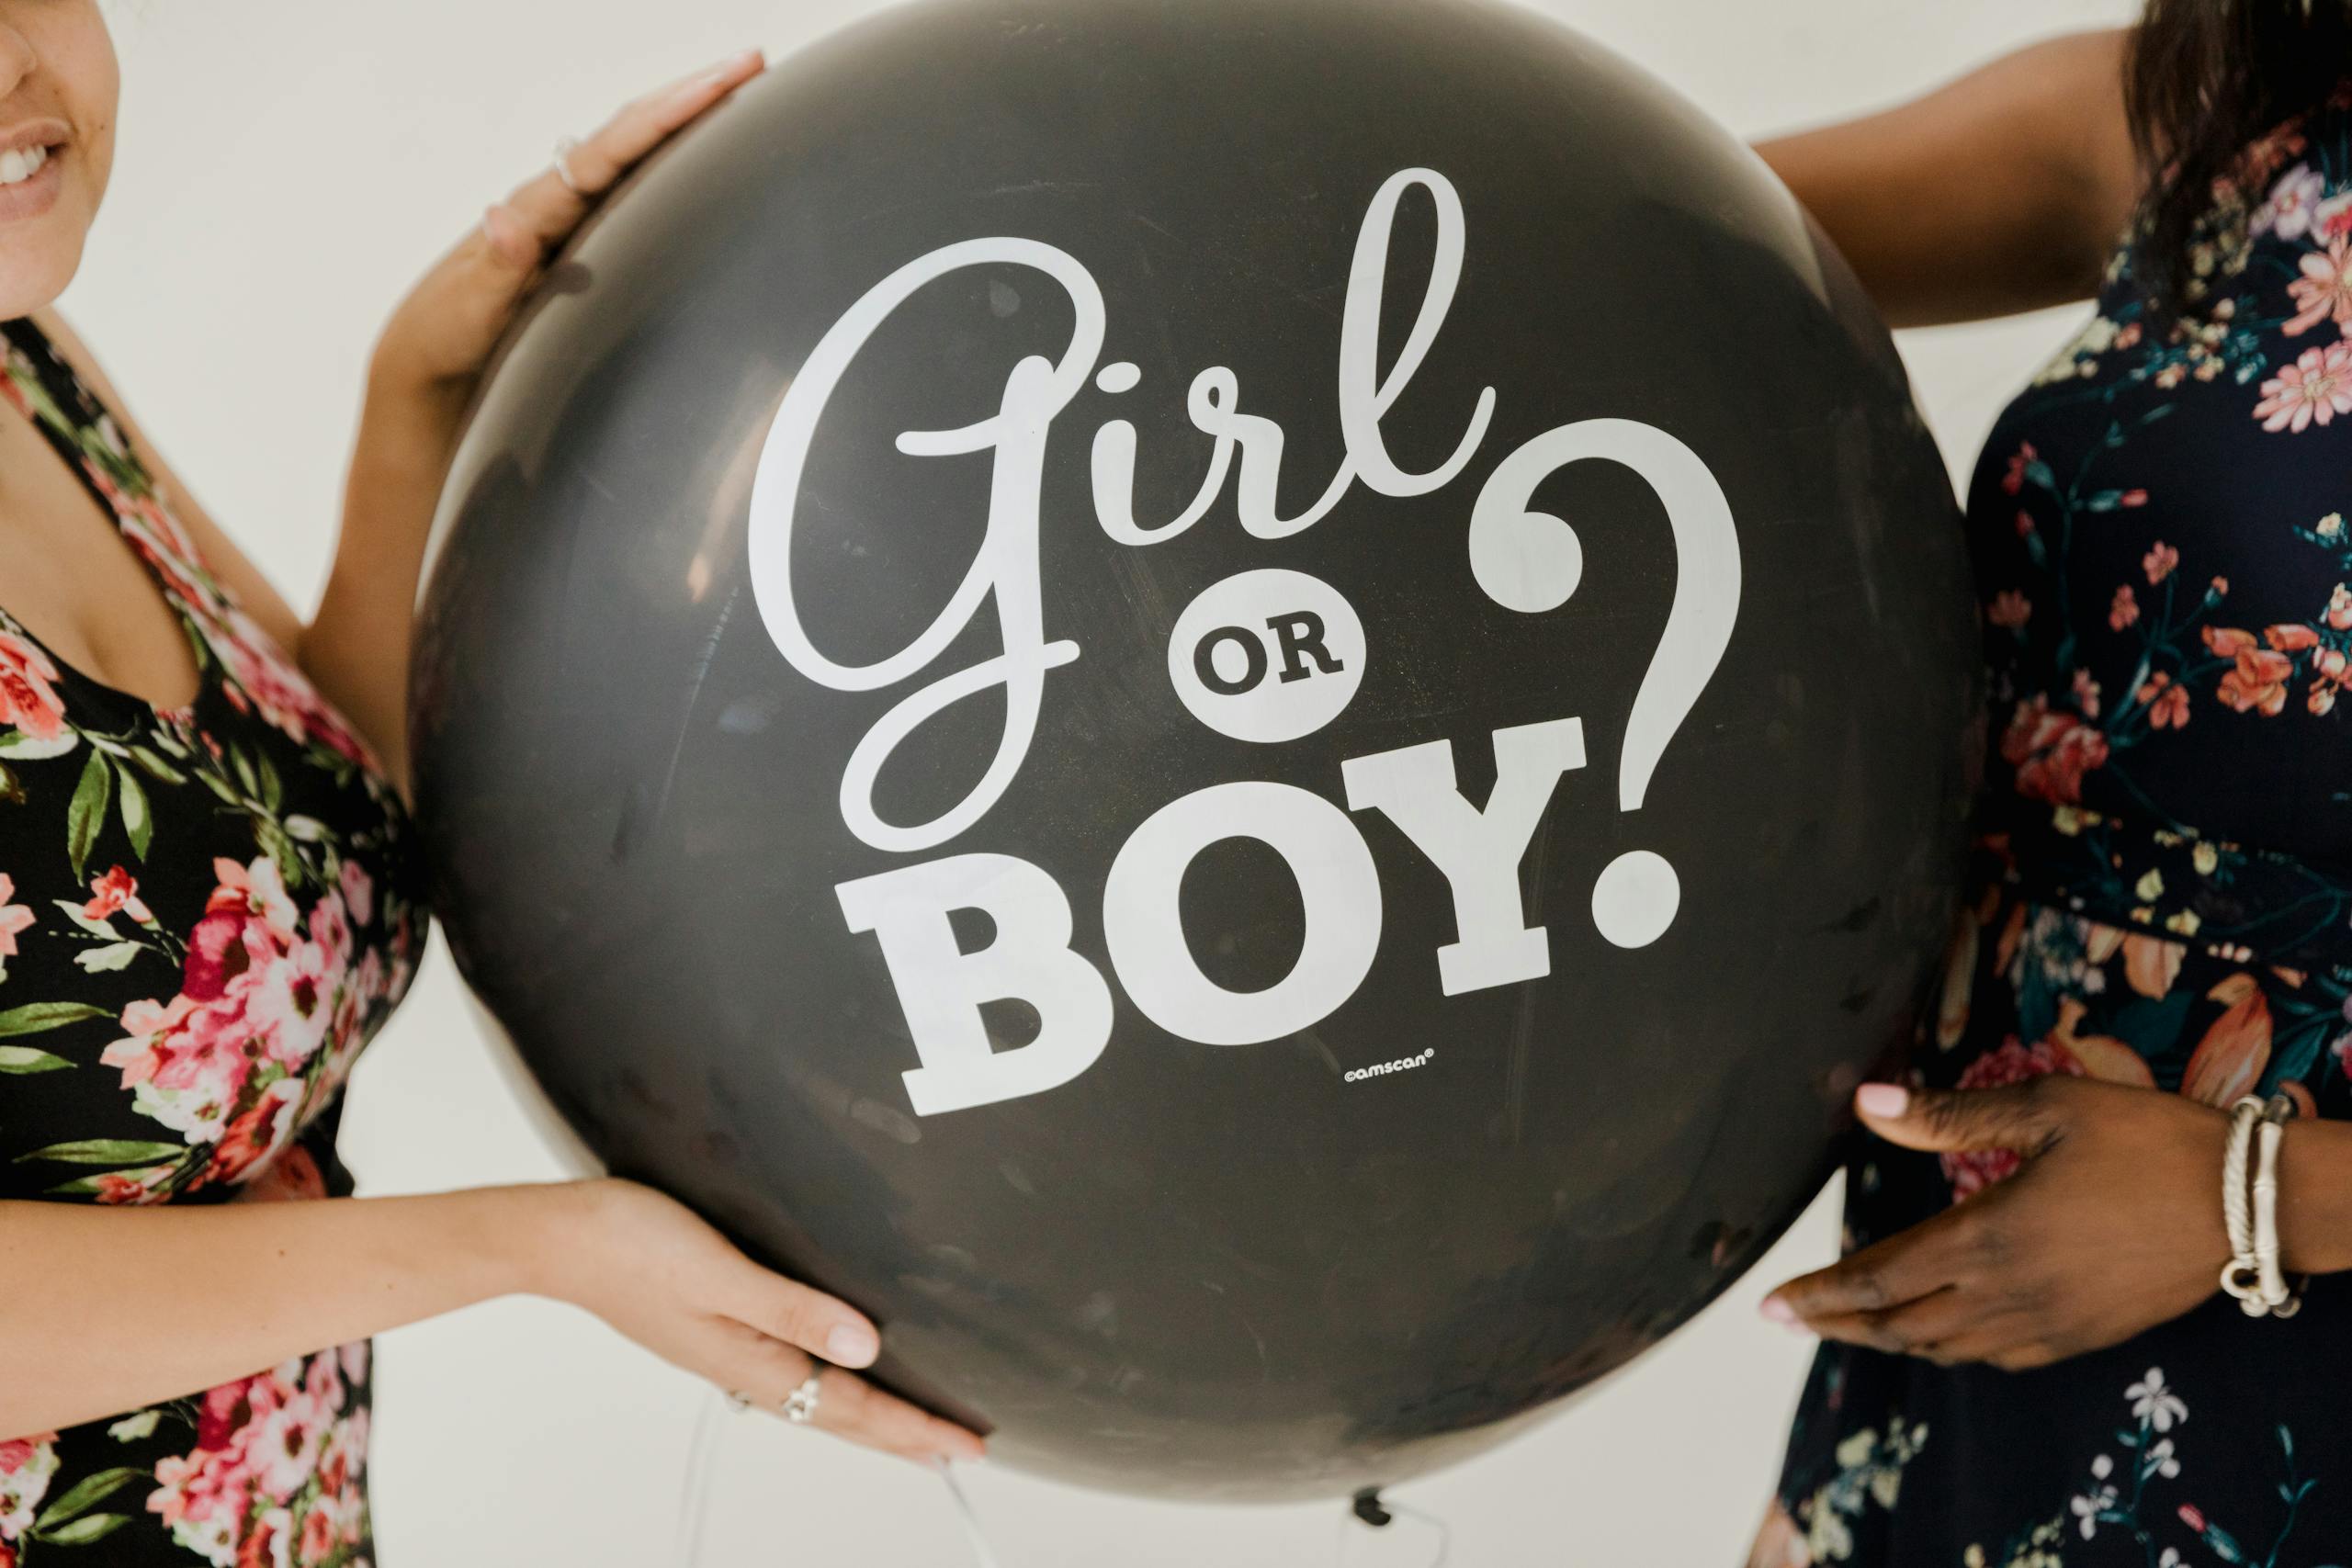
[287, 167]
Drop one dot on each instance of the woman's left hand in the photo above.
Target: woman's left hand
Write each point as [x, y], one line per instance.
[2112, 1225]
[441, 336]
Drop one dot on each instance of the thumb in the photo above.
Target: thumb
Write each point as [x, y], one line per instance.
[2014, 1116]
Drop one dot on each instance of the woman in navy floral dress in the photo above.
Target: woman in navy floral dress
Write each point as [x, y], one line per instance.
[208, 903]
[2028, 1360]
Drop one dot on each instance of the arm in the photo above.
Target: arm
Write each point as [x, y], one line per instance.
[2002, 191]
[2112, 1225]
[78, 1313]
[421, 379]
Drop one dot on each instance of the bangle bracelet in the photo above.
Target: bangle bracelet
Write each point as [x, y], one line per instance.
[2282, 1299]
[2240, 1276]
[2250, 1208]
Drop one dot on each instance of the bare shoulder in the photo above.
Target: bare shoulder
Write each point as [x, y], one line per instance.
[261, 600]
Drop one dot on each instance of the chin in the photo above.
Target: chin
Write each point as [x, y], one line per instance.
[32, 276]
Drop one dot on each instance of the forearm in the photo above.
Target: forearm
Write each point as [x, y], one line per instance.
[2315, 1196]
[356, 649]
[246, 1285]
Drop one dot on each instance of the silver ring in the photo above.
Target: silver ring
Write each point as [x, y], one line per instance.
[564, 148]
[800, 1404]
[738, 1401]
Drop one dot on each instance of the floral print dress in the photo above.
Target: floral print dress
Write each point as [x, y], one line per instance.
[205, 912]
[2165, 900]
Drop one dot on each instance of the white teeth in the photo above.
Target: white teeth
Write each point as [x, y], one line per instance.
[17, 165]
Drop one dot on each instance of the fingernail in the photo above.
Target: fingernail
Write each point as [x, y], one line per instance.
[1882, 1099]
[850, 1344]
[728, 67]
[1777, 1309]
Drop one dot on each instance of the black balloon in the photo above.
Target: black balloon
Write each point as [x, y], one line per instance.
[1030, 696]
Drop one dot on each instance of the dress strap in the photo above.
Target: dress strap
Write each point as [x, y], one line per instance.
[95, 444]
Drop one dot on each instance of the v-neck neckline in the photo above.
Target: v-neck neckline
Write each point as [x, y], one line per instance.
[15, 333]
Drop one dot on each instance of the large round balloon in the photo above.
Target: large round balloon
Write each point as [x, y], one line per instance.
[1249, 712]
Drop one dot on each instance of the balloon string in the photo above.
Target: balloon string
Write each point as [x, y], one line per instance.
[693, 1496]
[972, 1535]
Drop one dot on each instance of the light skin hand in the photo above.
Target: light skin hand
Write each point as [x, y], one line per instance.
[650, 1269]
[78, 1316]
[426, 366]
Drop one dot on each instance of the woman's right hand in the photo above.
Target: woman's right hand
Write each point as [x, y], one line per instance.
[655, 1270]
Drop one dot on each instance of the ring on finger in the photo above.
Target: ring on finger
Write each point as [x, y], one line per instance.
[564, 148]
[800, 1404]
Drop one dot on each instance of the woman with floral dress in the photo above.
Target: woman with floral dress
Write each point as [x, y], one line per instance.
[209, 902]
[2027, 1357]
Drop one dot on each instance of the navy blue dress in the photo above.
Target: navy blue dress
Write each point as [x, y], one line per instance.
[2164, 898]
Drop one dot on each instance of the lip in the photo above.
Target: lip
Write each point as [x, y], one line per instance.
[31, 198]
[50, 133]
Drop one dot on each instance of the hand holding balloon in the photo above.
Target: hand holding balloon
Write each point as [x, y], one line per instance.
[426, 365]
[442, 335]
[652, 1269]
[2112, 1225]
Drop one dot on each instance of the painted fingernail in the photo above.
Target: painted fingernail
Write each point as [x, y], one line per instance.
[850, 1344]
[1777, 1309]
[1882, 1099]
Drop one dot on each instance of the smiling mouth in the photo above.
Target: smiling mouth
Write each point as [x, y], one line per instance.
[21, 164]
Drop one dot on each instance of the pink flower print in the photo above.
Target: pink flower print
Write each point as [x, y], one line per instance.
[2009, 609]
[1970, 1171]
[28, 699]
[2288, 212]
[2086, 692]
[2312, 390]
[118, 889]
[248, 1145]
[267, 682]
[2013, 480]
[2324, 289]
[2051, 749]
[2159, 561]
[2333, 217]
[358, 891]
[26, 1465]
[2124, 610]
[15, 918]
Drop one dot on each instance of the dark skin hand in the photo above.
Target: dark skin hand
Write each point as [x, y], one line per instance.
[2111, 1226]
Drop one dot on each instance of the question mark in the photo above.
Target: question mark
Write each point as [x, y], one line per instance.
[1531, 561]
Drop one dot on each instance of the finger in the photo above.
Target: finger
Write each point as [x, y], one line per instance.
[849, 1406]
[1909, 1328]
[550, 205]
[785, 1309]
[1904, 1268]
[2028, 1357]
[2016, 1116]
[767, 1371]
[1988, 1342]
